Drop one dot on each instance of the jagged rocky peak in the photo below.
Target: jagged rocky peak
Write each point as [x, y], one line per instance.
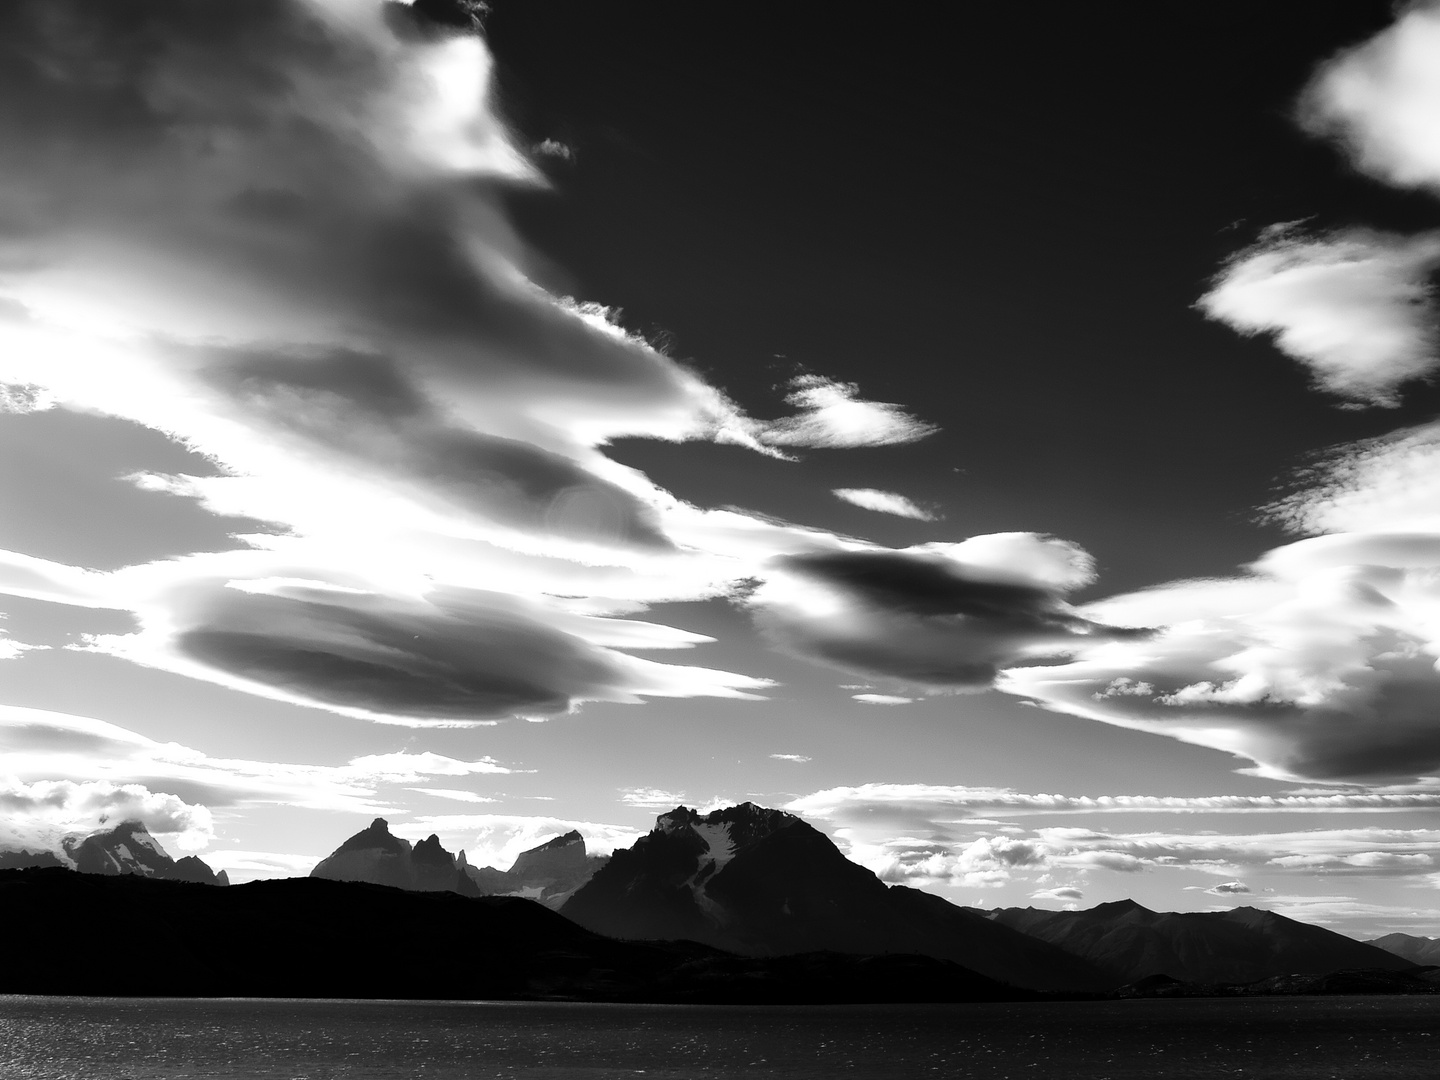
[678, 818]
[373, 854]
[430, 852]
[128, 848]
[377, 855]
[564, 857]
[724, 831]
[375, 835]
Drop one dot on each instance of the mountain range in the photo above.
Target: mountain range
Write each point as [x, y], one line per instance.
[126, 848]
[1418, 950]
[741, 904]
[1131, 943]
[548, 873]
[762, 883]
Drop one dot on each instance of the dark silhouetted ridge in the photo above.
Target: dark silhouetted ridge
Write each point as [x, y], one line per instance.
[311, 937]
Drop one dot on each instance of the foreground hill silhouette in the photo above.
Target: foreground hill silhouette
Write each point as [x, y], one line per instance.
[72, 933]
[1131, 943]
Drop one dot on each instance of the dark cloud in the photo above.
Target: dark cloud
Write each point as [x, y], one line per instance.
[919, 615]
[459, 656]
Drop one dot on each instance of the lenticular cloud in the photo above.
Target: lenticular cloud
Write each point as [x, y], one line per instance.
[272, 230]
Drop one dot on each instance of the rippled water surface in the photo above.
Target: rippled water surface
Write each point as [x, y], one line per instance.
[1301, 1038]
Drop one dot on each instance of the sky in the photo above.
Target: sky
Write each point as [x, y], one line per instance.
[1009, 445]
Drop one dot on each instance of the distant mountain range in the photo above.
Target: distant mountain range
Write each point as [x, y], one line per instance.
[548, 873]
[126, 848]
[1131, 943]
[741, 904]
[1418, 950]
[758, 882]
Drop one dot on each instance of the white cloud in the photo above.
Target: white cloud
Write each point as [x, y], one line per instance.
[1338, 910]
[884, 502]
[1230, 888]
[282, 259]
[799, 759]
[37, 745]
[1065, 893]
[1390, 483]
[496, 839]
[903, 805]
[1355, 307]
[455, 794]
[883, 699]
[1381, 100]
[927, 834]
[1320, 663]
[650, 798]
[834, 416]
[33, 816]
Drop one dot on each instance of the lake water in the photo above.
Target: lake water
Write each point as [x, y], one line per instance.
[150, 1039]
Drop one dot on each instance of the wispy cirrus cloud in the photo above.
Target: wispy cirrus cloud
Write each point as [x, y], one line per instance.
[833, 415]
[883, 502]
[996, 859]
[112, 772]
[1065, 894]
[938, 835]
[905, 804]
[651, 798]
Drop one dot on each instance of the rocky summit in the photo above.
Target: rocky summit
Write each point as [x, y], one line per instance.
[548, 873]
[377, 856]
[125, 848]
[761, 882]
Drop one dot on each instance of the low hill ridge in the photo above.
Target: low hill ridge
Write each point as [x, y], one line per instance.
[1242, 945]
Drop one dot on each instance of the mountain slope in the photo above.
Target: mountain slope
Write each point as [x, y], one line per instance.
[128, 848]
[1418, 950]
[1242, 945]
[548, 873]
[762, 882]
[378, 857]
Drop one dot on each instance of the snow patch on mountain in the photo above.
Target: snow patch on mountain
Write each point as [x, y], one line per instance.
[717, 839]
